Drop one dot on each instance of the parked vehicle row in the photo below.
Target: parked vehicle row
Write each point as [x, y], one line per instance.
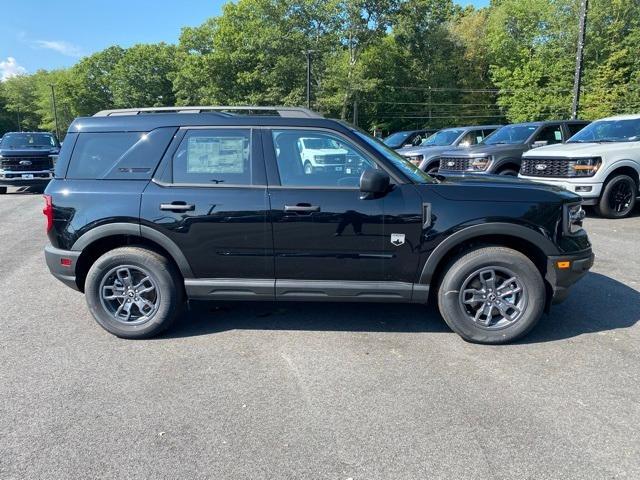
[599, 161]
[27, 159]
[211, 205]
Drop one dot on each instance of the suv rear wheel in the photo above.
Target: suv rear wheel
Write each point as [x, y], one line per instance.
[618, 197]
[492, 295]
[133, 292]
[3, 190]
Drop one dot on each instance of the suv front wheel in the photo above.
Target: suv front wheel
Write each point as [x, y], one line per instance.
[133, 292]
[618, 197]
[492, 295]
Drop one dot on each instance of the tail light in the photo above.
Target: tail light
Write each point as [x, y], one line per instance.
[48, 211]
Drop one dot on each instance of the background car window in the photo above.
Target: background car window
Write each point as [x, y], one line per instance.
[213, 156]
[313, 158]
[575, 128]
[95, 154]
[551, 134]
[472, 137]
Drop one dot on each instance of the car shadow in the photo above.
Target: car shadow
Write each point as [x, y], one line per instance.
[596, 304]
[25, 190]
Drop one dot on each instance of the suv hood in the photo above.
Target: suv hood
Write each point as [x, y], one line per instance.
[326, 151]
[499, 188]
[481, 150]
[570, 150]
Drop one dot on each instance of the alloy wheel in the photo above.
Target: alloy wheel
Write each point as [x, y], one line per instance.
[129, 294]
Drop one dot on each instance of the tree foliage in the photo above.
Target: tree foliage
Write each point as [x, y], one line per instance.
[390, 63]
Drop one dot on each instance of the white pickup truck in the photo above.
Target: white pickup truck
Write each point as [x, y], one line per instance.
[601, 163]
[321, 154]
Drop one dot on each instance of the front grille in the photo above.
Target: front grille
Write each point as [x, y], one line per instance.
[454, 163]
[13, 164]
[544, 167]
[330, 159]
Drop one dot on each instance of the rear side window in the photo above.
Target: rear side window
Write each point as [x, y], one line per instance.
[214, 156]
[95, 154]
[575, 128]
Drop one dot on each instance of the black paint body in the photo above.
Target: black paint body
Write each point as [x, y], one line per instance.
[241, 235]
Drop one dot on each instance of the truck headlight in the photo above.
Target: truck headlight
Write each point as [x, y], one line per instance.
[479, 164]
[415, 159]
[573, 218]
[584, 167]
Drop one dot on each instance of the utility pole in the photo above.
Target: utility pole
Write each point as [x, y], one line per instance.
[577, 79]
[19, 124]
[55, 110]
[308, 54]
[355, 113]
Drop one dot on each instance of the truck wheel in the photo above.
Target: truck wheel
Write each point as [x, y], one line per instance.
[508, 171]
[3, 190]
[618, 197]
[492, 295]
[133, 292]
[308, 168]
[433, 169]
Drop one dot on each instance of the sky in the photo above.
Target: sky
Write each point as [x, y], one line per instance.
[44, 34]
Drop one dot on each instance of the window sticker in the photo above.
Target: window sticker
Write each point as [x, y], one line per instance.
[216, 155]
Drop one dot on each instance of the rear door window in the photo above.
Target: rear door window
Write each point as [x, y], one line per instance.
[214, 156]
[95, 154]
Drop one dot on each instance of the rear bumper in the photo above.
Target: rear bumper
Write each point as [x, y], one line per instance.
[66, 274]
[561, 279]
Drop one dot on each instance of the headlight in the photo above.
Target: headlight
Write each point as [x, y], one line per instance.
[584, 167]
[573, 218]
[415, 159]
[478, 164]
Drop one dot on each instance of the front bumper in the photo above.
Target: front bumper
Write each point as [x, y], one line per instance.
[561, 279]
[577, 186]
[17, 179]
[65, 273]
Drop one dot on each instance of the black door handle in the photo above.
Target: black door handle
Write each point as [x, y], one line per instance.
[177, 207]
[301, 208]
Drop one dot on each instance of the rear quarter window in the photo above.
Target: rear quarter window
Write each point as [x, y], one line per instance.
[95, 154]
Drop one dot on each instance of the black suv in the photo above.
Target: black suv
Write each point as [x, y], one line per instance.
[27, 159]
[149, 208]
[501, 152]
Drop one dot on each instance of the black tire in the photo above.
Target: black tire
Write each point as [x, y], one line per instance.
[433, 169]
[611, 203]
[308, 168]
[3, 190]
[506, 263]
[509, 172]
[163, 276]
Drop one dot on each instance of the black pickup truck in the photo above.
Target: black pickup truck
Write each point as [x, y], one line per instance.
[27, 159]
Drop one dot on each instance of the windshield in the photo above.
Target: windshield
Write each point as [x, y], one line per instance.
[442, 138]
[511, 134]
[410, 170]
[396, 138]
[609, 131]
[28, 140]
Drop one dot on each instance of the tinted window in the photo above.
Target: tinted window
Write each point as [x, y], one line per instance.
[28, 140]
[96, 153]
[551, 134]
[627, 130]
[442, 138]
[575, 128]
[213, 156]
[472, 137]
[396, 138]
[314, 158]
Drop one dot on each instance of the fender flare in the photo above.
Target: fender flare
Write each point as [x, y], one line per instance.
[506, 161]
[473, 231]
[137, 230]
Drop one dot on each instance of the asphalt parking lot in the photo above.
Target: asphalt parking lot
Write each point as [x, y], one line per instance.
[308, 391]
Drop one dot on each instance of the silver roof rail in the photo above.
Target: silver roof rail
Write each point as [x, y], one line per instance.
[289, 112]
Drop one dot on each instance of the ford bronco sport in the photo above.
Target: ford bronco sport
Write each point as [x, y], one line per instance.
[150, 207]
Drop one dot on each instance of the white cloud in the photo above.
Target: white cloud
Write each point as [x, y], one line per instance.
[60, 46]
[10, 68]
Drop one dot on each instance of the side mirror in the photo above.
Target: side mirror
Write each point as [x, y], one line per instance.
[373, 183]
[539, 143]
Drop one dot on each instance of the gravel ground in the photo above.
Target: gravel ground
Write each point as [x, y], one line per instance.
[316, 391]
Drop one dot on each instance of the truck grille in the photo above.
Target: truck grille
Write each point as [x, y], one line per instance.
[330, 159]
[26, 164]
[544, 167]
[454, 163]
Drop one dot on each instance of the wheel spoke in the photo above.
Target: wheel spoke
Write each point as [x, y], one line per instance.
[472, 295]
[124, 275]
[488, 279]
[504, 307]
